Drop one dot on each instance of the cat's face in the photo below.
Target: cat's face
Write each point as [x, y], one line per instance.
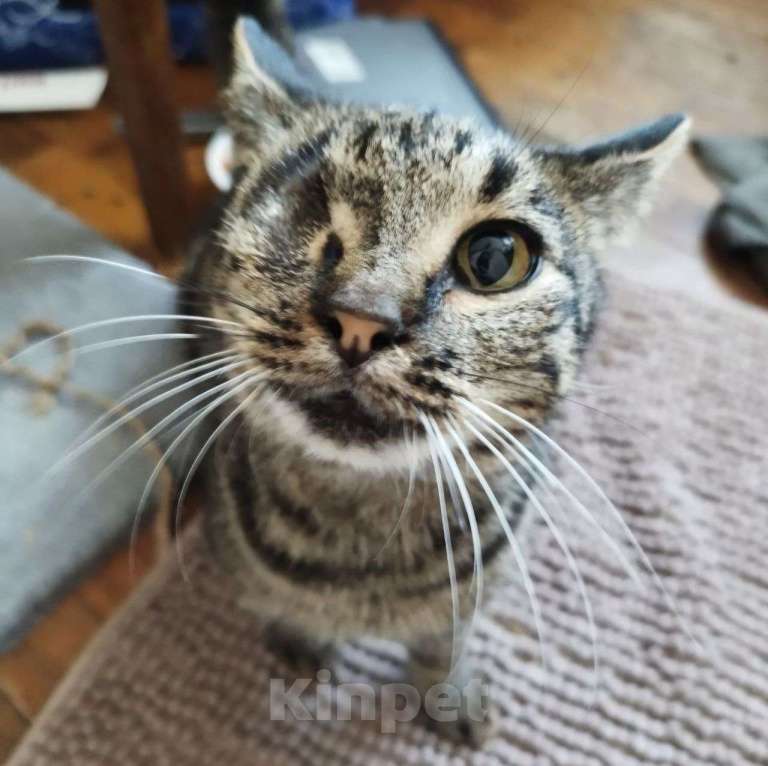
[392, 262]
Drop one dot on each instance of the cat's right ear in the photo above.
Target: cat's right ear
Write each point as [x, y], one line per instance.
[266, 92]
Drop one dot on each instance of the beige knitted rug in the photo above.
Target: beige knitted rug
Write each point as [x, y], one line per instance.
[180, 676]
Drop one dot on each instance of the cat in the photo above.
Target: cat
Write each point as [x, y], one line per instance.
[396, 282]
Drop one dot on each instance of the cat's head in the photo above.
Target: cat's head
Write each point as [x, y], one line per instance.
[385, 263]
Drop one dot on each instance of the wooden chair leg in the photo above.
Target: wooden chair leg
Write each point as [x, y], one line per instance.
[137, 45]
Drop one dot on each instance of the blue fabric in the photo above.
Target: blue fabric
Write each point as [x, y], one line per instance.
[306, 13]
[40, 34]
[46, 539]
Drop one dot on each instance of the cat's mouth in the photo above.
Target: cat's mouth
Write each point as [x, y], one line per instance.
[343, 418]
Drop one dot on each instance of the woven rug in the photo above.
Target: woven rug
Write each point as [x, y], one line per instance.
[680, 444]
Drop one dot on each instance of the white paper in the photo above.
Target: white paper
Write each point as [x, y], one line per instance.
[334, 59]
[52, 90]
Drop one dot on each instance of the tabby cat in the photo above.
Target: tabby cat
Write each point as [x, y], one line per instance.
[398, 285]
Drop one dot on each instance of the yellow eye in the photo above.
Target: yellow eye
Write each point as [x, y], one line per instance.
[495, 257]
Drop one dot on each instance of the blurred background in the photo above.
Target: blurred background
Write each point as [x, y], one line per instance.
[110, 142]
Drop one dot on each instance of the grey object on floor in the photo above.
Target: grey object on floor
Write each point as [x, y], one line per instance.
[381, 61]
[738, 227]
[46, 539]
[370, 61]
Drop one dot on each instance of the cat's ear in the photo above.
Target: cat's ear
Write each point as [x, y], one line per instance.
[611, 184]
[267, 91]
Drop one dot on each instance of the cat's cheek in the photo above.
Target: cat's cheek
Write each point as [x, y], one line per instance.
[542, 286]
[466, 302]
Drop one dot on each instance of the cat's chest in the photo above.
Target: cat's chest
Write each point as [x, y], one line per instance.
[350, 562]
[394, 536]
[390, 529]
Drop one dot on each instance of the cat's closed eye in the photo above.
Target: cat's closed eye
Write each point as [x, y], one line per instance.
[497, 256]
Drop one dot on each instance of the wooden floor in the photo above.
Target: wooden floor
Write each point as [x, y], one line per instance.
[574, 68]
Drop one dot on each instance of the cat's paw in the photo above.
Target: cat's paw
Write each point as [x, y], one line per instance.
[472, 731]
[304, 656]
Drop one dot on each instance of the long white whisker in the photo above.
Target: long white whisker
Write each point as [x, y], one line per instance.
[156, 381]
[196, 464]
[132, 339]
[170, 283]
[134, 413]
[556, 534]
[514, 544]
[118, 321]
[99, 261]
[448, 546]
[114, 321]
[442, 447]
[150, 434]
[531, 460]
[231, 391]
[406, 504]
[608, 503]
[453, 491]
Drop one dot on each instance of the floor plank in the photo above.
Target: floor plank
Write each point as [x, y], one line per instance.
[12, 726]
[31, 671]
[81, 162]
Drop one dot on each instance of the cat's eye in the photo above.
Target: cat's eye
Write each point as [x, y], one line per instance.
[496, 256]
[333, 249]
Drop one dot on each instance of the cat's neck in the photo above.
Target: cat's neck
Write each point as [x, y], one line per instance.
[332, 488]
[297, 479]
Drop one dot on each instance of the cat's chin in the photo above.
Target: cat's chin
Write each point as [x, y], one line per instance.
[338, 428]
[343, 418]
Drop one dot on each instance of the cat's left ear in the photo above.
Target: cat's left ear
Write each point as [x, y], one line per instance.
[611, 184]
[267, 91]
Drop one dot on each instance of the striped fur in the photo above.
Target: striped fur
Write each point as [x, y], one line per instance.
[335, 199]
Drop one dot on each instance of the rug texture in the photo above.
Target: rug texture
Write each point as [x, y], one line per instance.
[681, 445]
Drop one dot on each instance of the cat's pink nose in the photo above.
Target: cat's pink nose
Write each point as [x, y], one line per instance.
[359, 336]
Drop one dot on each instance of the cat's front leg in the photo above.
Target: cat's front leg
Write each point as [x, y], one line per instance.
[303, 654]
[454, 700]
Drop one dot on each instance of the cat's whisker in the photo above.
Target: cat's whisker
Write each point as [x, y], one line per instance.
[608, 504]
[514, 544]
[444, 451]
[406, 502]
[520, 450]
[220, 369]
[587, 386]
[231, 391]
[131, 340]
[63, 258]
[193, 469]
[150, 435]
[156, 381]
[555, 532]
[566, 94]
[112, 322]
[178, 283]
[560, 397]
[453, 491]
[243, 334]
[451, 563]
